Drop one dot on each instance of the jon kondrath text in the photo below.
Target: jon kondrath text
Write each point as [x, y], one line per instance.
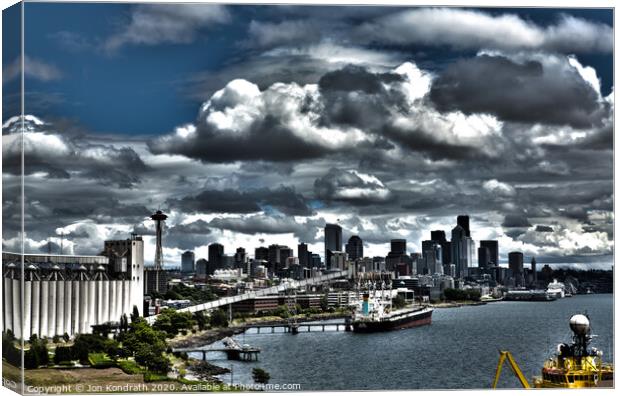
[116, 388]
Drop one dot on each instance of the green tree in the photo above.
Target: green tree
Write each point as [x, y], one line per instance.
[219, 318]
[9, 350]
[201, 320]
[147, 345]
[91, 343]
[324, 303]
[62, 354]
[172, 322]
[135, 314]
[260, 376]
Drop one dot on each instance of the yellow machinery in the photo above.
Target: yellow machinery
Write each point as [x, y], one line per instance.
[574, 366]
[503, 356]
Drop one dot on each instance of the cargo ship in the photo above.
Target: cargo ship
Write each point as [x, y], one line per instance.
[573, 366]
[374, 313]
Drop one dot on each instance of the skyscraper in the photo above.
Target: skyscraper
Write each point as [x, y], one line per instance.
[398, 246]
[492, 246]
[355, 248]
[333, 241]
[302, 253]
[431, 258]
[398, 255]
[187, 262]
[216, 254]
[439, 236]
[458, 249]
[515, 263]
[274, 257]
[240, 258]
[534, 274]
[463, 221]
[484, 257]
[261, 253]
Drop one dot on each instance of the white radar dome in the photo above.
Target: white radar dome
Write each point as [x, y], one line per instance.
[579, 324]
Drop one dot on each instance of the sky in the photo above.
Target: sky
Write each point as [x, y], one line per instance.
[253, 125]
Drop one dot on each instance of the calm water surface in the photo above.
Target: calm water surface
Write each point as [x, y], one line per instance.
[458, 351]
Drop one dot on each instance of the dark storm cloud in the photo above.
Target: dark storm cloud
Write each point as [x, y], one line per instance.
[544, 228]
[262, 224]
[431, 145]
[522, 92]
[351, 187]
[284, 199]
[355, 78]
[267, 139]
[67, 155]
[188, 236]
[515, 220]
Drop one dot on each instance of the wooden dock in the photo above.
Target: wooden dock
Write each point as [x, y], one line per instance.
[233, 350]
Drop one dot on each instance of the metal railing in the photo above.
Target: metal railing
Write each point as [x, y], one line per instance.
[259, 293]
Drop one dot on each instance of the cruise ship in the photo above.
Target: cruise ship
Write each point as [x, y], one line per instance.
[556, 289]
[374, 313]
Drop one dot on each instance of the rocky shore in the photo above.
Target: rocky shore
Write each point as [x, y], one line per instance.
[205, 371]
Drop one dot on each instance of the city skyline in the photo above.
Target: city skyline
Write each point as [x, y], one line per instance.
[309, 116]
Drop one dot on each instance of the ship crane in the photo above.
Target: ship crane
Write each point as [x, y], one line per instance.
[506, 355]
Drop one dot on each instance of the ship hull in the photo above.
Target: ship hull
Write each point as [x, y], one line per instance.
[415, 319]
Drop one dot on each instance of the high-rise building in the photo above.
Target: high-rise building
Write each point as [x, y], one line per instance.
[261, 253]
[285, 253]
[398, 246]
[216, 255]
[188, 262]
[438, 235]
[458, 249]
[484, 260]
[492, 246]
[398, 255]
[274, 258]
[315, 260]
[463, 221]
[240, 258]
[534, 273]
[355, 248]
[431, 258]
[201, 268]
[515, 263]
[303, 255]
[333, 241]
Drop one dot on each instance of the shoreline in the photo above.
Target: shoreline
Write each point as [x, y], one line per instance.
[458, 304]
[210, 336]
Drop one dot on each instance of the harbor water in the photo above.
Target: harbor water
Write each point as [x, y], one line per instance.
[459, 350]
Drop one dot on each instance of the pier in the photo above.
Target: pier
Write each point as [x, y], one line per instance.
[297, 327]
[233, 350]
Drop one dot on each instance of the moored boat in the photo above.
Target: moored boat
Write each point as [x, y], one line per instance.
[374, 313]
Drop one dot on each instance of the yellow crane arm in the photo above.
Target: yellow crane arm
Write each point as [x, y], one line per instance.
[503, 355]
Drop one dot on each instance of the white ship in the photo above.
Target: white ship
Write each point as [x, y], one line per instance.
[556, 289]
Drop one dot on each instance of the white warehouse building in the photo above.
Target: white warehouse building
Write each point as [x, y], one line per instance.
[69, 294]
